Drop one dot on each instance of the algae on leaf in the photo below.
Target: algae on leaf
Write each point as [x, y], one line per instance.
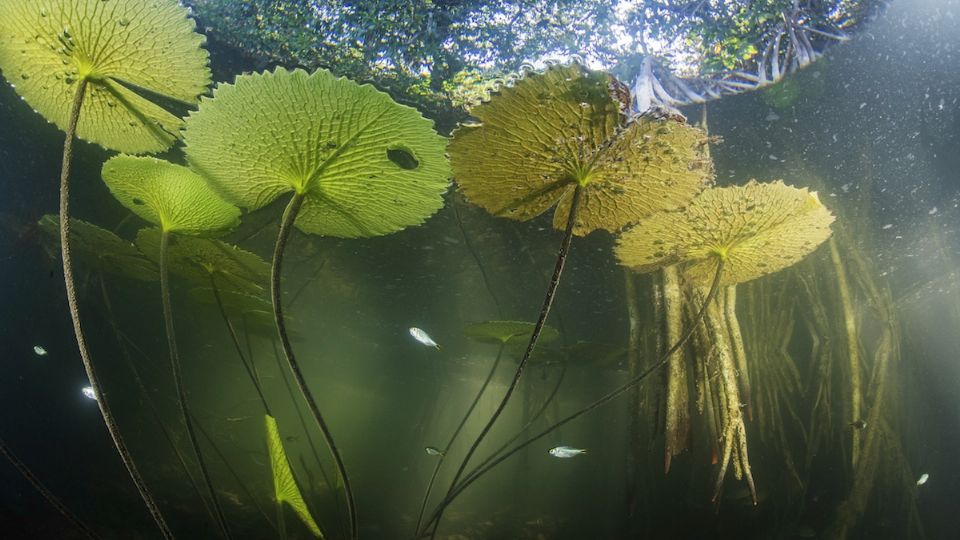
[758, 229]
[124, 49]
[285, 488]
[535, 142]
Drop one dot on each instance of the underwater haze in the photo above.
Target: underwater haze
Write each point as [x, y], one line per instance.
[479, 270]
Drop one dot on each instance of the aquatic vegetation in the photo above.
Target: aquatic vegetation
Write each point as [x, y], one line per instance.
[753, 230]
[101, 250]
[357, 164]
[179, 201]
[560, 139]
[64, 55]
[285, 487]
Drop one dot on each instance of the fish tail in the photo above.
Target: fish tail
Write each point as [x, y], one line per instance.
[437, 346]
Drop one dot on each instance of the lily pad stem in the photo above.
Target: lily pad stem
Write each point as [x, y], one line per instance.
[98, 391]
[286, 227]
[534, 337]
[664, 359]
[178, 383]
[453, 438]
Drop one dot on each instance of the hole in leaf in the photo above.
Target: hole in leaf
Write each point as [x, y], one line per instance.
[402, 158]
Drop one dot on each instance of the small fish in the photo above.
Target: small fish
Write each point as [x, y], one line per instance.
[39, 351]
[423, 337]
[431, 451]
[567, 452]
[89, 393]
[858, 424]
[923, 479]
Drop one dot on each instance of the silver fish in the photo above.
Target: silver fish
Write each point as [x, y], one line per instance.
[431, 451]
[923, 479]
[567, 452]
[89, 393]
[423, 337]
[39, 351]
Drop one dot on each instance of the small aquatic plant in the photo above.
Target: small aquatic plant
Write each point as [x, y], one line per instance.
[179, 202]
[102, 56]
[354, 162]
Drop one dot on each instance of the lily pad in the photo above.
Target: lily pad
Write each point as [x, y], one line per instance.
[285, 488]
[502, 332]
[366, 165]
[197, 259]
[758, 229]
[533, 143]
[233, 301]
[171, 196]
[101, 249]
[125, 49]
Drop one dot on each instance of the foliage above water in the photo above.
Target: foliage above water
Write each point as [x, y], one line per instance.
[419, 48]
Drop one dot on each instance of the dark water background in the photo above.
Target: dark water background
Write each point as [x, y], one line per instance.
[887, 103]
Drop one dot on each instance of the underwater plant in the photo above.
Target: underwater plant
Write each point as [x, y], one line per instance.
[755, 229]
[356, 164]
[561, 139]
[102, 57]
[100, 250]
[179, 202]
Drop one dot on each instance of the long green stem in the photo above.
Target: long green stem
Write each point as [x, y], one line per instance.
[664, 359]
[286, 227]
[544, 312]
[178, 383]
[456, 432]
[98, 390]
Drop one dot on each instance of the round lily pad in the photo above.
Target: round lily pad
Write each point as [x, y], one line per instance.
[365, 165]
[101, 249]
[533, 143]
[757, 229]
[171, 196]
[197, 259]
[134, 54]
[502, 332]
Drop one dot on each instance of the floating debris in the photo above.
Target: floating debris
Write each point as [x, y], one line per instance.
[39, 351]
[423, 337]
[567, 452]
[89, 393]
[431, 451]
[923, 479]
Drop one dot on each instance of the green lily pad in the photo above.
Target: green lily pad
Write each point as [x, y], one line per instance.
[533, 143]
[47, 46]
[100, 249]
[502, 332]
[285, 488]
[757, 229]
[171, 196]
[197, 259]
[366, 165]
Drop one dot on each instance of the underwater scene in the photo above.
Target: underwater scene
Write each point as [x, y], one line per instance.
[524, 269]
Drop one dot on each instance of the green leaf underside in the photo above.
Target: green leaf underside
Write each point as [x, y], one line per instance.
[168, 195]
[47, 46]
[507, 331]
[285, 487]
[759, 228]
[233, 301]
[366, 165]
[196, 259]
[537, 140]
[101, 250]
